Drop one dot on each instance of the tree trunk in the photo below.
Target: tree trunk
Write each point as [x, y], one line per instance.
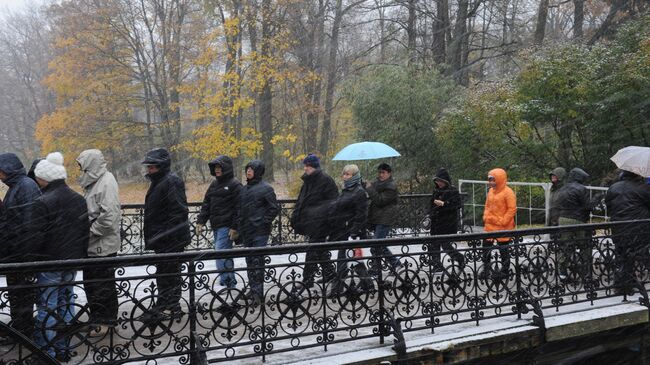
[540, 29]
[266, 95]
[578, 18]
[382, 30]
[456, 47]
[440, 27]
[315, 87]
[331, 79]
[411, 31]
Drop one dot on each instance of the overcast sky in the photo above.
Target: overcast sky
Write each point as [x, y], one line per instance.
[14, 5]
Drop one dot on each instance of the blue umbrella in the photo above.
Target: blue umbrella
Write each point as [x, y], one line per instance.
[365, 151]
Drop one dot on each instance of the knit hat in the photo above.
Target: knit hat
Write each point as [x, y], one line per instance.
[51, 168]
[312, 160]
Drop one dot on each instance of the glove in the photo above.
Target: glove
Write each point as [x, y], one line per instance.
[199, 228]
[357, 252]
[353, 237]
[233, 235]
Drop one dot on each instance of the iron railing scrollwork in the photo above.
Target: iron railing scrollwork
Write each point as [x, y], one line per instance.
[413, 220]
[549, 269]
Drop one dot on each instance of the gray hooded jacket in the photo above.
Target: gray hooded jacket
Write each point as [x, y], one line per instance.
[102, 198]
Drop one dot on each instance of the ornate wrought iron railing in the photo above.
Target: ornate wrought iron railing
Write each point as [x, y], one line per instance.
[412, 221]
[548, 269]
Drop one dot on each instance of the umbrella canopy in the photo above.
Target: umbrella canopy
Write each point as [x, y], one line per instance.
[365, 151]
[633, 159]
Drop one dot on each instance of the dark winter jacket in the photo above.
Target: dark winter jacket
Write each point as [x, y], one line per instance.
[19, 204]
[166, 224]
[554, 216]
[444, 219]
[573, 199]
[309, 216]
[349, 213]
[257, 207]
[628, 199]
[60, 224]
[383, 202]
[221, 199]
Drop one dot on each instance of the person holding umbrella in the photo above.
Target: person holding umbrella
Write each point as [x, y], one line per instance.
[629, 199]
[383, 210]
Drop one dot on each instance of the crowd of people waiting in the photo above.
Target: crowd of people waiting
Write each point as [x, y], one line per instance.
[39, 209]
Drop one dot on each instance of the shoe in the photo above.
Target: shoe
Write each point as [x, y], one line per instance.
[624, 291]
[98, 331]
[484, 275]
[62, 357]
[334, 288]
[307, 284]
[325, 280]
[103, 321]
[254, 298]
[6, 341]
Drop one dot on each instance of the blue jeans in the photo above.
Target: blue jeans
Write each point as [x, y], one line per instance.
[55, 308]
[223, 242]
[256, 275]
[381, 231]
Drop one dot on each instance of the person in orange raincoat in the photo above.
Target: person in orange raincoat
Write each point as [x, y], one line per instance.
[499, 215]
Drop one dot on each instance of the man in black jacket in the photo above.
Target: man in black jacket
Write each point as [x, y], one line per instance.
[443, 211]
[19, 204]
[257, 209]
[61, 232]
[219, 207]
[557, 182]
[573, 207]
[628, 199]
[382, 213]
[310, 215]
[166, 226]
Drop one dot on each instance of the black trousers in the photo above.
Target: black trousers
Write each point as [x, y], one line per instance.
[626, 249]
[503, 252]
[436, 248]
[101, 295]
[168, 280]
[21, 302]
[326, 264]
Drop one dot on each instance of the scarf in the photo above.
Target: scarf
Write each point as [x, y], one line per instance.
[355, 179]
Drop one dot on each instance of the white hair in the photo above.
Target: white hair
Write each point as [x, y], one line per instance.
[352, 169]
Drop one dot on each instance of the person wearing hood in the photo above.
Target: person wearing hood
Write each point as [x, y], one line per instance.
[219, 208]
[443, 212]
[382, 214]
[349, 217]
[30, 173]
[61, 232]
[498, 215]
[309, 218]
[104, 213]
[557, 182]
[573, 207]
[626, 200]
[257, 208]
[166, 226]
[18, 207]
